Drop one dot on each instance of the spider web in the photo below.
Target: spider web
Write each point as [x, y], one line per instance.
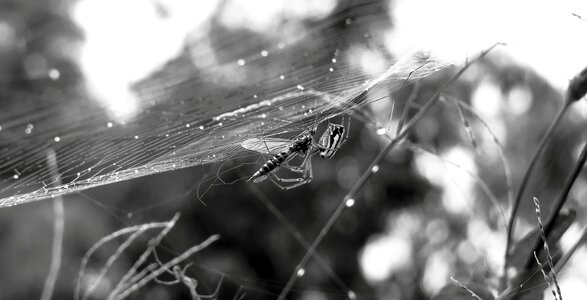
[192, 113]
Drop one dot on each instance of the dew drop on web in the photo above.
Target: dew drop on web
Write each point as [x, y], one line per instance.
[29, 128]
[54, 74]
[350, 202]
[351, 295]
[301, 272]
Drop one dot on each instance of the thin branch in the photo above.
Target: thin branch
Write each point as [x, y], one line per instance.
[154, 242]
[411, 98]
[166, 266]
[557, 294]
[111, 260]
[500, 147]
[103, 241]
[58, 228]
[464, 287]
[544, 276]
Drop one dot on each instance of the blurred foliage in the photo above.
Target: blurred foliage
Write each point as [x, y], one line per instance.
[256, 249]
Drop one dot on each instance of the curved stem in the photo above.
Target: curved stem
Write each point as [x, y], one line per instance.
[524, 183]
[58, 229]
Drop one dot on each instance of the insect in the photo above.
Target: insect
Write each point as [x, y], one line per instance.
[285, 150]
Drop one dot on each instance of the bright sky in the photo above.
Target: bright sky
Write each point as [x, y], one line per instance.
[127, 40]
[542, 34]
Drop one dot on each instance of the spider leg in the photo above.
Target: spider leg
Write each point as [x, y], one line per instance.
[266, 147]
[301, 167]
[307, 177]
[289, 187]
[276, 178]
[346, 119]
[347, 129]
[215, 294]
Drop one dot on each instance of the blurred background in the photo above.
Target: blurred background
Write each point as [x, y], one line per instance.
[432, 209]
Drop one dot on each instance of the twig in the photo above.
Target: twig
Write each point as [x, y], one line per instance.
[143, 272]
[152, 244]
[467, 125]
[133, 288]
[240, 293]
[506, 167]
[111, 260]
[544, 276]
[431, 101]
[411, 98]
[557, 294]
[464, 287]
[103, 241]
[58, 228]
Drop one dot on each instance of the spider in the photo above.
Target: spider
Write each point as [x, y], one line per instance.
[285, 150]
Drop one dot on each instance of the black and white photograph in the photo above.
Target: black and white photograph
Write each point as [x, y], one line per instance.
[293, 150]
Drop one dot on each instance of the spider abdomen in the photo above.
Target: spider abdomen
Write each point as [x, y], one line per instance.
[331, 140]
